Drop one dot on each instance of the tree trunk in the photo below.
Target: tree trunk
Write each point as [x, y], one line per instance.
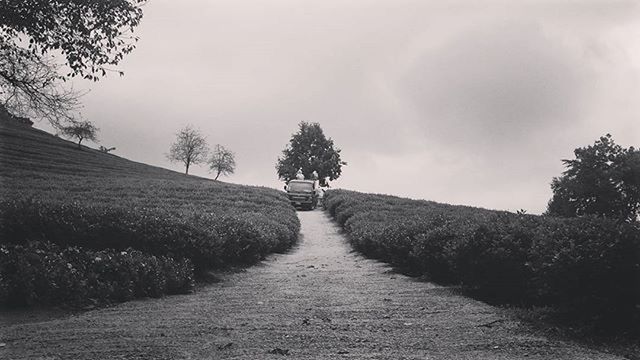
[79, 146]
[186, 170]
[217, 176]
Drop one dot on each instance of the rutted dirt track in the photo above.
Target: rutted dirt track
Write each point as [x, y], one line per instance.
[320, 301]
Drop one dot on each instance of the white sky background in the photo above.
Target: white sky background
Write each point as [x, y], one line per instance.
[464, 102]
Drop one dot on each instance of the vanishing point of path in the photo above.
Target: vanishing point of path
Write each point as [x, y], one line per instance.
[320, 301]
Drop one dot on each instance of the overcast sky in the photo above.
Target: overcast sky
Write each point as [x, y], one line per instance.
[464, 102]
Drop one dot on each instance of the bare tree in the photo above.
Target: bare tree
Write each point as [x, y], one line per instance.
[80, 130]
[190, 148]
[31, 86]
[222, 161]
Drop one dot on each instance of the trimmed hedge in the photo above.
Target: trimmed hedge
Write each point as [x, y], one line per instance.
[143, 251]
[587, 266]
[209, 240]
[41, 273]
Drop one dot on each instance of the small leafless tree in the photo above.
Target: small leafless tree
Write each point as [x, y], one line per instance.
[222, 161]
[80, 130]
[190, 148]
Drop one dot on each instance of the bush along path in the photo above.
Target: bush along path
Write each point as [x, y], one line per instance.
[588, 269]
[319, 301]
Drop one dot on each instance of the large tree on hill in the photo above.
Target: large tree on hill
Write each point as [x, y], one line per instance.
[43, 43]
[310, 150]
[190, 148]
[603, 180]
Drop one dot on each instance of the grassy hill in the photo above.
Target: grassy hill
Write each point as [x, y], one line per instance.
[27, 150]
[78, 205]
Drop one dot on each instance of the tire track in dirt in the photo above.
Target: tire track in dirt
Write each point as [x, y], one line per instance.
[319, 301]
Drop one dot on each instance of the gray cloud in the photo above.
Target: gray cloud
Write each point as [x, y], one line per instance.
[471, 103]
[497, 81]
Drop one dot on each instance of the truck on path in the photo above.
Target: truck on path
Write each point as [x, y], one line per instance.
[303, 193]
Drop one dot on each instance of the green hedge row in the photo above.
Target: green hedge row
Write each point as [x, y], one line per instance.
[209, 240]
[589, 267]
[56, 252]
[41, 273]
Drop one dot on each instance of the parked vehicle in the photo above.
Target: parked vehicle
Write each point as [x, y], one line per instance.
[303, 193]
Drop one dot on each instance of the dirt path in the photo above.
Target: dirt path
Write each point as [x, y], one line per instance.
[320, 301]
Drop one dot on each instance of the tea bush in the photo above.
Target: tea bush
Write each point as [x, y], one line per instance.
[41, 273]
[588, 267]
[210, 240]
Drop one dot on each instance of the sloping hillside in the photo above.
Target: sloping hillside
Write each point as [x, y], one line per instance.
[25, 150]
[57, 196]
[36, 163]
[29, 151]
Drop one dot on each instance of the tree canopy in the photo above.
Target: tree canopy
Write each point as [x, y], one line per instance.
[603, 180]
[222, 161]
[80, 130]
[45, 42]
[310, 150]
[189, 148]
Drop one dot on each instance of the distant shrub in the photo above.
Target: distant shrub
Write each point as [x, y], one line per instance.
[589, 267]
[5, 115]
[41, 273]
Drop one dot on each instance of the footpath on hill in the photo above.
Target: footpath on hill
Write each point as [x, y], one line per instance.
[320, 301]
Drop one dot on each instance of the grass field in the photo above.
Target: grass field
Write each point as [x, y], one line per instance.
[58, 201]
